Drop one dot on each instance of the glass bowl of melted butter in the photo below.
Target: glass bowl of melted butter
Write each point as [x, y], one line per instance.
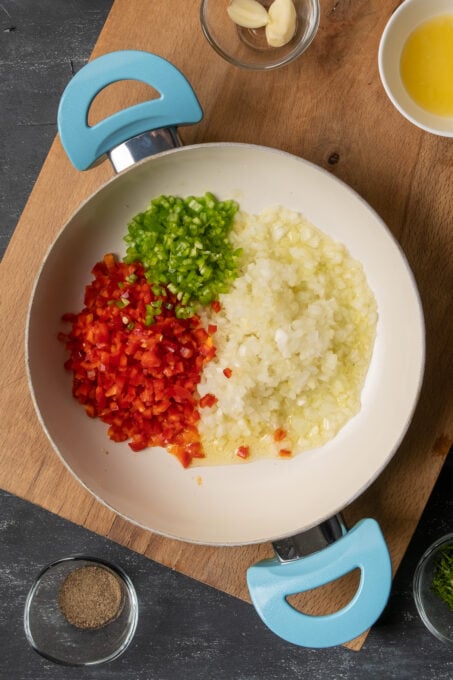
[416, 63]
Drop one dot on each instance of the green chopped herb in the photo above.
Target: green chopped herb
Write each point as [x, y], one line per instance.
[442, 583]
[183, 244]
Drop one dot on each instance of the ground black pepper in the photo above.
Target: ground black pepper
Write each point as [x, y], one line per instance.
[91, 596]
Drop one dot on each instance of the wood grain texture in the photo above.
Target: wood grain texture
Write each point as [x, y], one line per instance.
[328, 107]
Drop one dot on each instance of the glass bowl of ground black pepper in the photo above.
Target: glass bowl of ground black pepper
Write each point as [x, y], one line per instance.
[433, 588]
[81, 611]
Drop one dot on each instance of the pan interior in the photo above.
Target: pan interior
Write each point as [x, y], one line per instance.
[253, 502]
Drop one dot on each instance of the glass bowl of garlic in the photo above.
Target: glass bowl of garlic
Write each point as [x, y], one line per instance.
[260, 34]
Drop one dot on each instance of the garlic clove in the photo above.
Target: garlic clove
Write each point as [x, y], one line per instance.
[282, 23]
[248, 13]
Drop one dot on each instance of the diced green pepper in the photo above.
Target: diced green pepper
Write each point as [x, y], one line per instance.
[184, 245]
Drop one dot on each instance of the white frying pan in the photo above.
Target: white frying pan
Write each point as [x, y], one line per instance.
[262, 501]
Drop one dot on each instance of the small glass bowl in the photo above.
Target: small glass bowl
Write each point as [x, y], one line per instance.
[51, 635]
[434, 612]
[247, 47]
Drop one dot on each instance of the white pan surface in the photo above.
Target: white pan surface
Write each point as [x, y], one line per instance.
[253, 502]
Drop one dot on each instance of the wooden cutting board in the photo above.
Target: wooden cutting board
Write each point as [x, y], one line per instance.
[330, 108]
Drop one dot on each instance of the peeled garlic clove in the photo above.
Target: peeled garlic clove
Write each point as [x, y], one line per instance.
[282, 23]
[248, 13]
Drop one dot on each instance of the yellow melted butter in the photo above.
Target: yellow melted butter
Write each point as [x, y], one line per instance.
[427, 65]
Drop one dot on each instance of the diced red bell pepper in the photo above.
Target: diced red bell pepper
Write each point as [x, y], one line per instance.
[243, 452]
[279, 434]
[208, 400]
[285, 453]
[139, 379]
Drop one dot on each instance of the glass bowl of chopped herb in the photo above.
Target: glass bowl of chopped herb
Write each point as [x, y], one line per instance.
[259, 34]
[433, 588]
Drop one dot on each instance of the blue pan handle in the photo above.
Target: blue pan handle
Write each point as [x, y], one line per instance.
[177, 104]
[271, 581]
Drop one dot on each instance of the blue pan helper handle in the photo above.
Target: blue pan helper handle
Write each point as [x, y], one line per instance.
[271, 581]
[176, 105]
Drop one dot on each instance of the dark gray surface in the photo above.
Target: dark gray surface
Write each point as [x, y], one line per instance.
[41, 45]
[186, 630]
